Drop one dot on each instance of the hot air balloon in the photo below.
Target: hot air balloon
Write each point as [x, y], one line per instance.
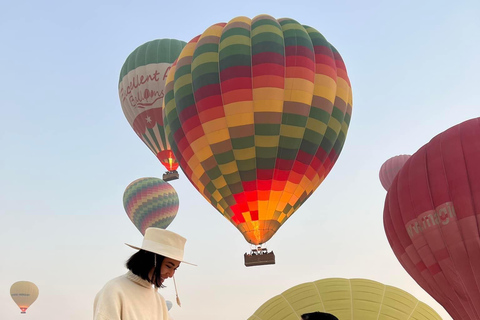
[150, 202]
[257, 112]
[169, 304]
[141, 91]
[390, 168]
[347, 299]
[431, 218]
[24, 293]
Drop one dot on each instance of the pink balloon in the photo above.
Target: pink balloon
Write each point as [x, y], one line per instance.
[432, 219]
[390, 168]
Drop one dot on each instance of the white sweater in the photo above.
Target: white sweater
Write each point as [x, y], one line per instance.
[129, 297]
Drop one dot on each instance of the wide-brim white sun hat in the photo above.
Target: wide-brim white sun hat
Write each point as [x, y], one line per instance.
[163, 242]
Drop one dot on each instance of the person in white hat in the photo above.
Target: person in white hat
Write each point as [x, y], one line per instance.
[134, 295]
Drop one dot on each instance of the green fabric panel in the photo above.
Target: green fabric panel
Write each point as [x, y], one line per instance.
[210, 188]
[205, 48]
[184, 98]
[235, 32]
[156, 51]
[161, 130]
[235, 60]
[225, 191]
[248, 175]
[183, 70]
[205, 68]
[225, 157]
[294, 120]
[289, 143]
[205, 80]
[261, 22]
[309, 147]
[347, 119]
[327, 143]
[286, 153]
[266, 153]
[267, 45]
[319, 114]
[245, 165]
[232, 178]
[242, 143]
[337, 114]
[152, 135]
[233, 50]
[267, 129]
[266, 163]
[149, 143]
[214, 173]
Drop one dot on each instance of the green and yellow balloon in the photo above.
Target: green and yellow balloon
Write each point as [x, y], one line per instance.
[257, 112]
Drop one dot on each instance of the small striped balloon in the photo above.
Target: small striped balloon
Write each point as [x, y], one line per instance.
[150, 202]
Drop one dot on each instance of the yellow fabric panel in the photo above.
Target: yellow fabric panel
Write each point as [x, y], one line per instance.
[235, 40]
[215, 125]
[214, 30]
[343, 89]
[241, 19]
[267, 29]
[334, 125]
[262, 210]
[201, 148]
[204, 58]
[267, 93]
[218, 135]
[325, 89]
[238, 108]
[217, 196]
[219, 182]
[228, 168]
[185, 80]
[239, 119]
[292, 131]
[316, 125]
[198, 171]
[298, 96]
[244, 154]
[266, 141]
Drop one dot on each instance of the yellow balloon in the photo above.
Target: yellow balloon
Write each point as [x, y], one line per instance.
[347, 299]
[24, 293]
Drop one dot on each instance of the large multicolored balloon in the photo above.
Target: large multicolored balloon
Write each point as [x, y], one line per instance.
[150, 202]
[431, 218]
[257, 112]
[141, 90]
[347, 299]
[390, 168]
[24, 293]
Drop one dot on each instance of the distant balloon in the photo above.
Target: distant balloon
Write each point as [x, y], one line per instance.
[431, 218]
[257, 112]
[347, 299]
[150, 202]
[24, 293]
[141, 90]
[390, 168]
[169, 304]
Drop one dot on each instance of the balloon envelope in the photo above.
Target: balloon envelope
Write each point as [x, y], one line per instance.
[390, 168]
[141, 91]
[431, 218]
[150, 202]
[257, 112]
[24, 293]
[347, 299]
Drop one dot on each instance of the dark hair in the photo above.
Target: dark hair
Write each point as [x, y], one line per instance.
[142, 262]
[318, 316]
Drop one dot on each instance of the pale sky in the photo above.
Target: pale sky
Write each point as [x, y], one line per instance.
[68, 152]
